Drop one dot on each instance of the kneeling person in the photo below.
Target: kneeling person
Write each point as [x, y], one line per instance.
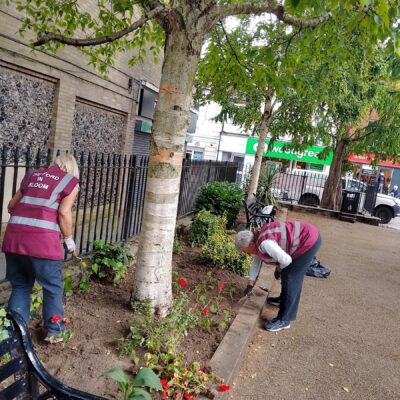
[291, 244]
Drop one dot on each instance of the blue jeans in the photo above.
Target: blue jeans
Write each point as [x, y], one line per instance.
[292, 282]
[22, 271]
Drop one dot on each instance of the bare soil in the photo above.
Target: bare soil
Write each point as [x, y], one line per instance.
[101, 317]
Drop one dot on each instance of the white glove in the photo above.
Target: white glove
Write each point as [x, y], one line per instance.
[69, 244]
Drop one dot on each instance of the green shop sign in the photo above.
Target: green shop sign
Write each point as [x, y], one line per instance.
[309, 155]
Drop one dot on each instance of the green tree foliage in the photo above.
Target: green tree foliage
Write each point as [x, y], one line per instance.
[180, 27]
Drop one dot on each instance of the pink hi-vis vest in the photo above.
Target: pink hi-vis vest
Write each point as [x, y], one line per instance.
[294, 237]
[33, 228]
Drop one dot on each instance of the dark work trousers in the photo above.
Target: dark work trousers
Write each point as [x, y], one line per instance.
[292, 282]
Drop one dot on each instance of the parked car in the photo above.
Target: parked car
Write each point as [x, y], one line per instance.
[306, 187]
[386, 207]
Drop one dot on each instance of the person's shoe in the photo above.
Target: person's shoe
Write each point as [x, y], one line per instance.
[276, 325]
[274, 301]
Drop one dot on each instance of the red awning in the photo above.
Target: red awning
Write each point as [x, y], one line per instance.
[367, 158]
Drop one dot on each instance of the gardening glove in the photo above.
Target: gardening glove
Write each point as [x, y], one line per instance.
[69, 244]
[277, 275]
[248, 290]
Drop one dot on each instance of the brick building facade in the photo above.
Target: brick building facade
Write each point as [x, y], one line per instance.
[58, 101]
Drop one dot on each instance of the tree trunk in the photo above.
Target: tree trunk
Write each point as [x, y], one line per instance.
[332, 196]
[153, 276]
[255, 174]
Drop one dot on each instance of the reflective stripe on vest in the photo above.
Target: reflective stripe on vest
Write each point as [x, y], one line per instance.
[52, 201]
[38, 223]
[296, 237]
[283, 236]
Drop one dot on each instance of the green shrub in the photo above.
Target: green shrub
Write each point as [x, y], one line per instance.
[204, 225]
[221, 198]
[220, 251]
[109, 262]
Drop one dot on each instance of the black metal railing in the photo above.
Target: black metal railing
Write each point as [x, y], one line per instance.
[197, 173]
[110, 202]
[304, 187]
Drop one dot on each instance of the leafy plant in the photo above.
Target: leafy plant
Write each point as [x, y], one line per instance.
[220, 251]
[266, 193]
[221, 198]
[67, 283]
[204, 225]
[150, 332]
[179, 380]
[177, 247]
[135, 389]
[109, 262]
[36, 300]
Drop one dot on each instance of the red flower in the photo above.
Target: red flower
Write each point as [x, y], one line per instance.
[204, 311]
[187, 396]
[164, 384]
[164, 395]
[221, 287]
[55, 318]
[223, 388]
[182, 282]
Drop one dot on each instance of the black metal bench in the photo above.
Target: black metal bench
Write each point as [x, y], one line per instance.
[255, 218]
[22, 375]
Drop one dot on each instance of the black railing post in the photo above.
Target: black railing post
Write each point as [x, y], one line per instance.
[4, 153]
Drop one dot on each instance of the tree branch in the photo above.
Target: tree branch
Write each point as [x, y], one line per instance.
[269, 6]
[47, 37]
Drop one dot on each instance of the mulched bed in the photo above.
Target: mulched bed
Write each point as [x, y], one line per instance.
[100, 317]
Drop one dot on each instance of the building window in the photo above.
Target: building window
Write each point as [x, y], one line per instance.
[197, 155]
[147, 103]
[226, 156]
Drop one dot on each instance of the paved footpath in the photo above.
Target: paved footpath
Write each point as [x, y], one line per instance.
[345, 343]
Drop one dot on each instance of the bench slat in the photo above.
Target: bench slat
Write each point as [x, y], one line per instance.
[14, 390]
[11, 368]
[8, 345]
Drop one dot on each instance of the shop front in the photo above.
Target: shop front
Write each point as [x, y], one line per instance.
[365, 171]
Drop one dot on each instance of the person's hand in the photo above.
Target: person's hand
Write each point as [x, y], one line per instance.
[277, 273]
[69, 245]
[248, 290]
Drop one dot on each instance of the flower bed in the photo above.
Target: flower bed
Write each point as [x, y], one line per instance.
[101, 317]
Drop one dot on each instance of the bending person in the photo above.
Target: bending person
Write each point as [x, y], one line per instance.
[291, 244]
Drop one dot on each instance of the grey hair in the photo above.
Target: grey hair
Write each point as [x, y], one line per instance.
[67, 163]
[244, 239]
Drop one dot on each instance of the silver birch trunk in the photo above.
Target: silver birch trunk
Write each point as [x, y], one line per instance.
[153, 276]
[255, 175]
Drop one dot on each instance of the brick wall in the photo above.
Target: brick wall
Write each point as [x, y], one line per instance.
[70, 78]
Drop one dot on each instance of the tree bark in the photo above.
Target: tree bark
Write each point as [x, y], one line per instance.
[255, 174]
[332, 196]
[153, 276]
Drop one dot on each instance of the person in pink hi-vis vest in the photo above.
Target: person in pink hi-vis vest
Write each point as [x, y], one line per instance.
[41, 211]
[291, 244]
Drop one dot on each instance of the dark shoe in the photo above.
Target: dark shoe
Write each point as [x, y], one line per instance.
[276, 325]
[274, 301]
